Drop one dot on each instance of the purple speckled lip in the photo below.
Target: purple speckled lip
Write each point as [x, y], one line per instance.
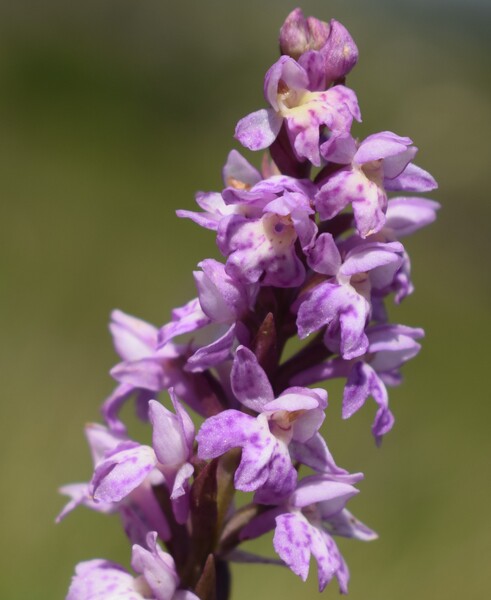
[310, 259]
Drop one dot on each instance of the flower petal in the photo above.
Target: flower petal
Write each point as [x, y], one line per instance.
[259, 129]
[250, 383]
[119, 474]
[292, 540]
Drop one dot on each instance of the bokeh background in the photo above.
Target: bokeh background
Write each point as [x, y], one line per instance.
[112, 114]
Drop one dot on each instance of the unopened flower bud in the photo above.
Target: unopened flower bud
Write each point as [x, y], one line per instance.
[298, 34]
[340, 52]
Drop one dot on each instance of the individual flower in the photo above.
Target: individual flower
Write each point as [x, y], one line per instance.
[264, 249]
[138, 510]
[342, 301]
[295, 415]
[304, 524]
[404, 216]
[129, 466]
[238, 174]
[157, 577]
[381, 162]
[222, 302]
[146, 369]
[286, 88]
[389, 347]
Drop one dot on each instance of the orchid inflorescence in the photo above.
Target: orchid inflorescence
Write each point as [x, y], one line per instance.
[312, 249]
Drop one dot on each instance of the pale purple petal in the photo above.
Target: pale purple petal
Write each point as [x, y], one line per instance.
[281, 475]
[287, 70]
[238, 169]
[221, 297]
[406, 215]
[412, 179]
[345, 524]
[213, 205]
[357, 389]
[101, 579]
[339, 148]
[180, 486]
[292, 401]
[202, 219]
[186, 424]
[169, 443]
[364, 382]
[344, 98]
[349, 330]
[392, 345]
[288, 203]
[368, 256]
[102, 440]
[315, 454]
[259, 129]
[157, 567]
[250, 383]
[79, 495]
[185, 319]
[132, 337]
[292, 541]
[326, 555]
[119, 474]
[213, 354]
[342, 574]
[318, 308]
[382, 145]
[316, 488]
[232, 429]
[324, 257]
[305, 134]
[146, 373]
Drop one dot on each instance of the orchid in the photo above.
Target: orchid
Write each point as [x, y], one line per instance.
[311, 253]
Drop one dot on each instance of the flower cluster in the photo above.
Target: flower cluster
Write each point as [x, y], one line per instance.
[311, 249]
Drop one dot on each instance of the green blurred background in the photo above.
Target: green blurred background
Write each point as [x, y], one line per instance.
[112, 114]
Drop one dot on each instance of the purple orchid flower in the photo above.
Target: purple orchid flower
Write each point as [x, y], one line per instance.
[238, 174]
[381, 162]
[146, 369]
[139, 510]
[342, 301]
[222, 302]
[286, 88]
[263, 249]
[258, 222]
[295, 415]
[158, 580]
[389, 347]
[131, 465]
[404, 216]
[304, 524]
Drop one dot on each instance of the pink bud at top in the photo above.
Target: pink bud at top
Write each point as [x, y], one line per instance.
[298, 34]
[340, 52]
